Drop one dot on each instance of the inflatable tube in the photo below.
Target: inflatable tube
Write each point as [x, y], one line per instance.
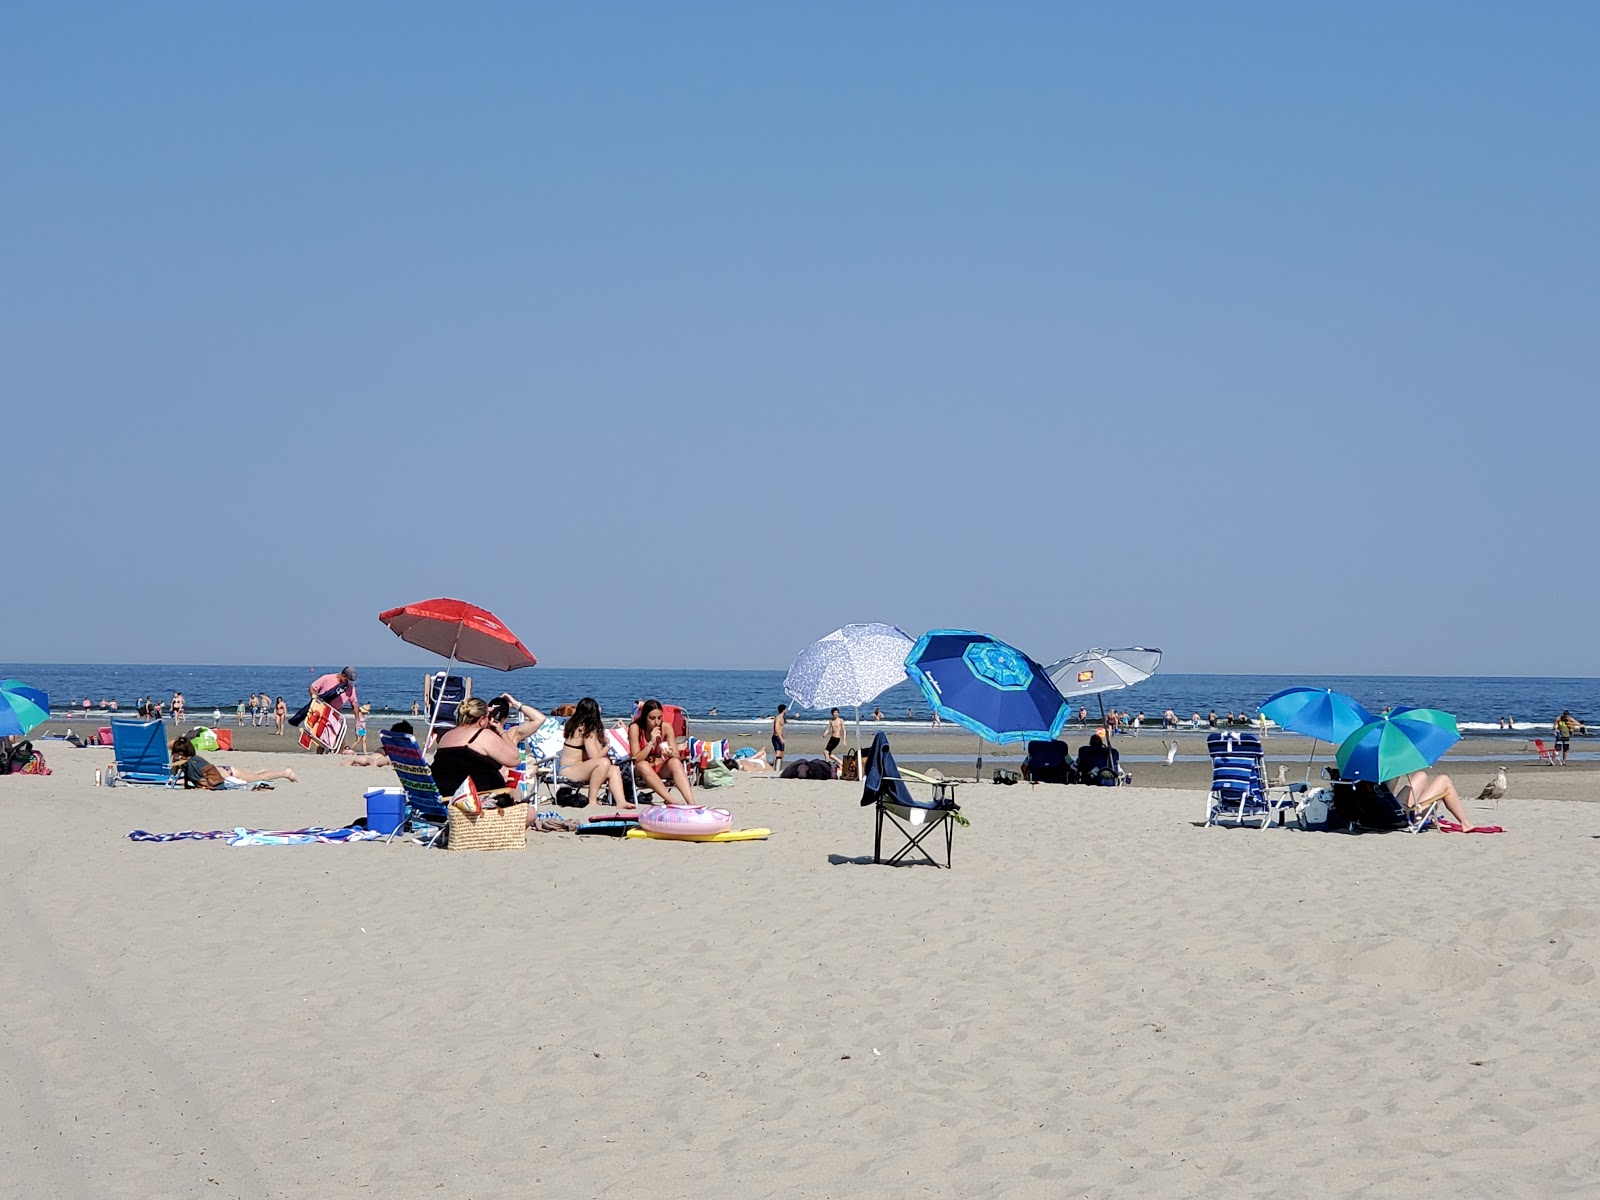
[676, 820]
[727, 835]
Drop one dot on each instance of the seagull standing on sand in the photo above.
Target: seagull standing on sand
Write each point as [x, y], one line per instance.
[1172, 750]
[1495, 788]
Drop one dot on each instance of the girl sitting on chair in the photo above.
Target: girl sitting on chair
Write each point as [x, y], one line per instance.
[584, 762]
[656, 764]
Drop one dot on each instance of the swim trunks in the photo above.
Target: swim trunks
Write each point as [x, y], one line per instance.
[833, 744]
[777, 743]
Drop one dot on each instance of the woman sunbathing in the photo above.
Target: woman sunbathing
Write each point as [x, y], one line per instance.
[1417, 790]
[198, 773]
[655, 755]
[584, 762]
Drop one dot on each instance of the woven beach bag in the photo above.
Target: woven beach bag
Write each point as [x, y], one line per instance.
[493, 829]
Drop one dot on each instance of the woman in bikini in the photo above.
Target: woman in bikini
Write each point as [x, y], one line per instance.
[584, 762]
[655, 755]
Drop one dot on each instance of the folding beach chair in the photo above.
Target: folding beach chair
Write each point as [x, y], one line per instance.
[1546, 755]
[1049, 762]
[447, 691]
[1239, 792]
[885, 789]
[1361, 805]
[423, 801]
[140, 748]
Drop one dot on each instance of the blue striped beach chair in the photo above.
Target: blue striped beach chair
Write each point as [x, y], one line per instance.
[1239, 792]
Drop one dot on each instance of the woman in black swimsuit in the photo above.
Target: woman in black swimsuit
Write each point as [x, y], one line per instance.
[479, 748]
[584, 761]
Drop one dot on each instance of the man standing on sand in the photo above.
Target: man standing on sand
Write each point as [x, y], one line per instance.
[1565, 726]
[337, 691]
[777, 737]
[835, 736]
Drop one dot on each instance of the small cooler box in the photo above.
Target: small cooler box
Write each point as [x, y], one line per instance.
[386, 809]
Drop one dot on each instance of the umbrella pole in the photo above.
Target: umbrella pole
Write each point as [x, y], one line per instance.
[1104, 724]
[859, 771]
[1310, 758]
[977, 776]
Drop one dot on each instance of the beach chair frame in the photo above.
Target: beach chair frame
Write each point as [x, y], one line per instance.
[423, 800]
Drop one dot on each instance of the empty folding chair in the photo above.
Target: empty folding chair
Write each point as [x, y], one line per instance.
[885, 789]
[1239, 792]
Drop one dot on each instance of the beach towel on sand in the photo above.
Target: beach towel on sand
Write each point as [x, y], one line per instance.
[261, 837]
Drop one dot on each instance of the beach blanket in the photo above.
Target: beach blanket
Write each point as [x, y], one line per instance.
[1455, 827]
[261, 837]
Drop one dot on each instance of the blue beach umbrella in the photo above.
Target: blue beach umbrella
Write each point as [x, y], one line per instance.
[987, 686]
[1320, 713]
[22, 708]
[1397, 743]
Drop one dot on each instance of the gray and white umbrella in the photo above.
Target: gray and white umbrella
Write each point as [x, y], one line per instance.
[1095, 672]
[849, 667]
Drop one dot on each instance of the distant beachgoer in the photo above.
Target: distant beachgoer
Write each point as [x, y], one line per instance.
[936, 719]
[280, 715]
[1211, 718]
[877, 714]
[657, 763]
[1565, 726]
[361, 727]
[113, 706]
[241, 712]
[835, 736]
[194, 769]
[216, 718]
[1138, 724]
[86, 706]
[177, 708]
[416, 709]
[778, 736]
[1169, 720]
[712, 713]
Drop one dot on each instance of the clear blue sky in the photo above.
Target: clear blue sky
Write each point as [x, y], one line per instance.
[680, 334]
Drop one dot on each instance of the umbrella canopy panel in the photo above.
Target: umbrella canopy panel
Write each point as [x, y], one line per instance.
[22, 708]
[986, 685]
[1320, 713]
[851, 666]
[460, 631]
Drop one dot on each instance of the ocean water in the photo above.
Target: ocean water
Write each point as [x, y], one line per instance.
[751, 696]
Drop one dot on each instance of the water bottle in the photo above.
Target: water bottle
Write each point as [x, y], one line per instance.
[97, 777]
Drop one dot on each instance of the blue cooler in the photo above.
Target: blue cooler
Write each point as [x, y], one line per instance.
[386, 809]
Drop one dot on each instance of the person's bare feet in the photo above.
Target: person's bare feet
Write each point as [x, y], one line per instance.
[291, 776]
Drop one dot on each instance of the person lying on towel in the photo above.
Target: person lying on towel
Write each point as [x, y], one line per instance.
[198, 773]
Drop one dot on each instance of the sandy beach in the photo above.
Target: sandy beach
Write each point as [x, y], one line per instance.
[1100, 996]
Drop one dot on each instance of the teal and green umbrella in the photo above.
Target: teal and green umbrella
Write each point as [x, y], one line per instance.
[1397, 743]
[22, 708]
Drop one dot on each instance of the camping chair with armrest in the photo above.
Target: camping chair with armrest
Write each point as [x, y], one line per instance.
[1239, 791]
[884, 787]
[1048, 762]
[140, 749]
[423, 801]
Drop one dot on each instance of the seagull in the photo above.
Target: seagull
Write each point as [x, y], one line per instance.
[1495, 788]
[1283, 775]
[1172, 750]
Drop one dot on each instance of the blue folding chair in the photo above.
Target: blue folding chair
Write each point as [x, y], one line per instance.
[140, 750]
[443, 694]
[423, 801]
[884, 787]
[1048, 762]
[1239, 791]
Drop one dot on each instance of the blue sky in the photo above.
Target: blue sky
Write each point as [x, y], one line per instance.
[681, 334]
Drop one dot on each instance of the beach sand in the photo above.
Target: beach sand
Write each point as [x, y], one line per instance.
[1100, 996]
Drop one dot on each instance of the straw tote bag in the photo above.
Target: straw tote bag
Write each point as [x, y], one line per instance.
[492, 829]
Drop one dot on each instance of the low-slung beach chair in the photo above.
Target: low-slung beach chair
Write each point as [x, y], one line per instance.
[423, 801]
[447, 692]
[140, 749]
[1546, 755]
[884, 787]
[1239, 792]
[1362, 805]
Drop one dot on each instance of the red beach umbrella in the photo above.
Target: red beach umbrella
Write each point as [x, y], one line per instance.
[461, 632]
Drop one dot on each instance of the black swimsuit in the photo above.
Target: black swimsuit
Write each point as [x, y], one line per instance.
[452, 765]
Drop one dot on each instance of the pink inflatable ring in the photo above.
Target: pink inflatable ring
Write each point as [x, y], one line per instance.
[676, 820]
